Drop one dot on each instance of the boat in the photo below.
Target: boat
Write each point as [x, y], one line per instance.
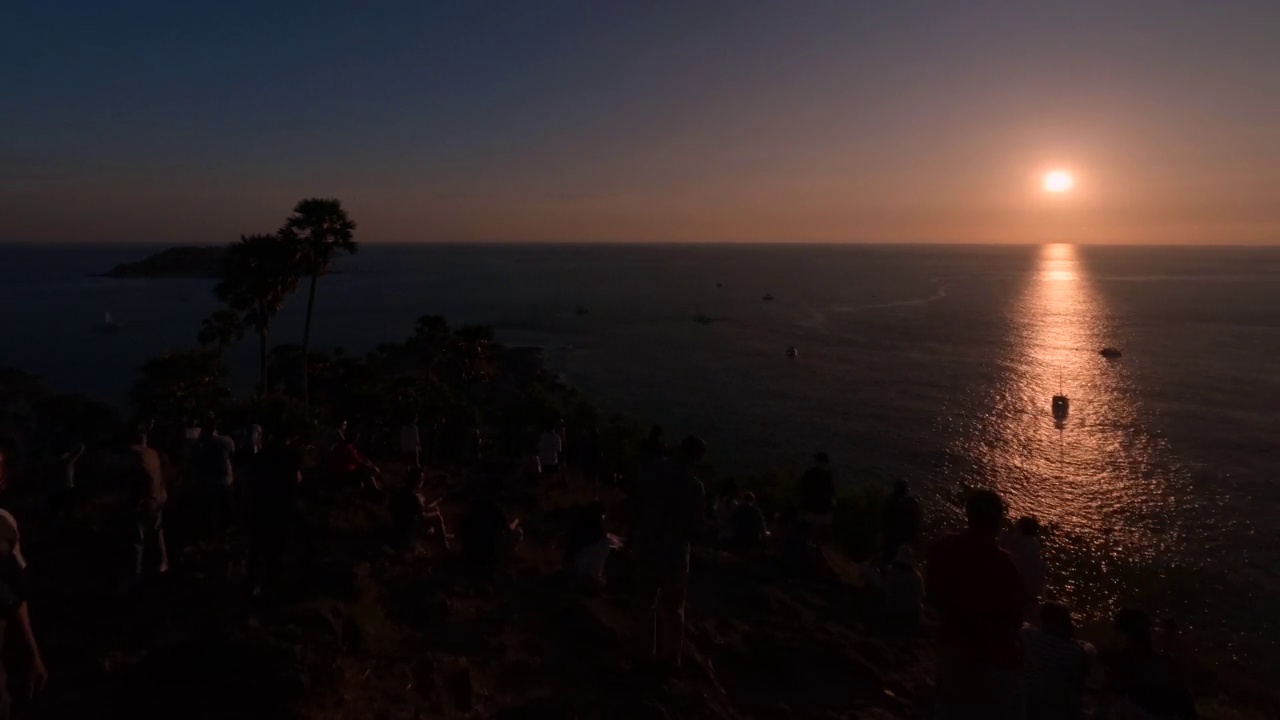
[719, 285]
[767, 297]
[109, 325]
[1061, 406]
[792, 352]
[582, 310]
[1110, 353]
[703, 319]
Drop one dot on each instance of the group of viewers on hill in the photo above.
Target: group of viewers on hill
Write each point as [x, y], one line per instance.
[1005, 653]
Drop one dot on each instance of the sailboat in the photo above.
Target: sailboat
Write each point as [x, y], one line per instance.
[109, 325]
[1061, 405]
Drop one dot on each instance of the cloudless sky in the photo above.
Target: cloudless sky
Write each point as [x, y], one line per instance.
[546, 120]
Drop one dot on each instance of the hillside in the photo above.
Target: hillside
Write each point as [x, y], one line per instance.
[175, 262]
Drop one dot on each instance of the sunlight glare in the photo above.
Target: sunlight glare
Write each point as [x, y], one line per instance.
[1058, 181]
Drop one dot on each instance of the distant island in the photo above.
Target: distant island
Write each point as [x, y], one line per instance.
[175, 262]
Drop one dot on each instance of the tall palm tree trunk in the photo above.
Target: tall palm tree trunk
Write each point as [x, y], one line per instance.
[262, 361]
[306, 340]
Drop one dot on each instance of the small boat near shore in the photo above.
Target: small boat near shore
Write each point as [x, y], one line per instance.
[792, 352]
[767, 297]
[1110, 353]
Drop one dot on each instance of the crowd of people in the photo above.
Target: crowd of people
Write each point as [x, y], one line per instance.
[1006, 650]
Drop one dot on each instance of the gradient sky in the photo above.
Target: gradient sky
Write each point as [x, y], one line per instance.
[803, 120]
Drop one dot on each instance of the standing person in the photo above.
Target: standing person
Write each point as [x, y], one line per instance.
[145, 473]
[13, 609]
[349, 468]
[10, 537]
[549, 446]
[667, 513]
[411, 442]
[337, 436]
[410, 511]
[901, 520]
[1056, 666]
[1023, 543]
[488, 535]
[276, 477]
[587, 548]
[749, 527]
[250, 445]
[817, 491]
[653, 448]
[724, 509]
[62, 501]
[215, 476]
[979, 595]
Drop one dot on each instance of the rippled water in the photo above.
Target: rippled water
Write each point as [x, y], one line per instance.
[932, 363]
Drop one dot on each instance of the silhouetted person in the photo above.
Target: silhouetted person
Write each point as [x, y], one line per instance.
[726, 504]
[62, 500]
[487, 534]
[249, 445]
[349, 468]
[14, 611]
[817, 495]
[979, 596]
[667, 511]
[145, 480]
[550, 445]
[411, 442]
[10, 537]
[654, 447]
[277, 475]
[587, 547]
[1143, 681]
[410, 513]
[1023, 543]
[749, 527]
[901, 519]
[1056, 666]
[903, 592]
[213, 476]
[337, 436]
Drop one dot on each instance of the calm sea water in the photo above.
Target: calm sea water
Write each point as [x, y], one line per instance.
[932, 363]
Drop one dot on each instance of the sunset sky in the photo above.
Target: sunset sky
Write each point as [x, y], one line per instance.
[537, 120]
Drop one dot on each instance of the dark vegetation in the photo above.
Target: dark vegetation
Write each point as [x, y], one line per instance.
[356, 630]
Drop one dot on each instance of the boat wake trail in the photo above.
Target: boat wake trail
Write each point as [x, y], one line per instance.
[939, 292]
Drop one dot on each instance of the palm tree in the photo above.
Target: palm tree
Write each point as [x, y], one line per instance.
[322, 229]
[258, 273]
[221, 330]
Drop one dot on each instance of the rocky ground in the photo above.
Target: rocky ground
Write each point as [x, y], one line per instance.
[355, 631]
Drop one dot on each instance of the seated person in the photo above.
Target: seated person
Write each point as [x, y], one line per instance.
[1055, 665]
[749, 529]
[1141, 679]
[487, 534]
[903, 591]
[409, 512]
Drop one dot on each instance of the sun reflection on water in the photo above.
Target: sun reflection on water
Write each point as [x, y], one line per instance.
[1097, 480]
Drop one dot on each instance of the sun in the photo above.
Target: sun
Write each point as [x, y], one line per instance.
[1058, 181]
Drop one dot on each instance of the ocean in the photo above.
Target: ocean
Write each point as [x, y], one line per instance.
[931, 363]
